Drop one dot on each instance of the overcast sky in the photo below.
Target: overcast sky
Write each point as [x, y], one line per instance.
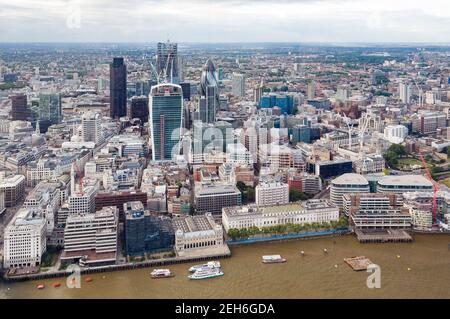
[225, 20]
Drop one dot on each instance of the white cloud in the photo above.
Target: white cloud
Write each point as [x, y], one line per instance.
[228, 20]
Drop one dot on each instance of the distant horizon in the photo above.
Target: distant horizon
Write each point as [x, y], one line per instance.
[412, 43]
[225, 21]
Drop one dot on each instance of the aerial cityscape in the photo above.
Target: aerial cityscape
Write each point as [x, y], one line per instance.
[236, 169]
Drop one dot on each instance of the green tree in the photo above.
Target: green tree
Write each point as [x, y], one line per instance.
[295, 195]
[250, 195]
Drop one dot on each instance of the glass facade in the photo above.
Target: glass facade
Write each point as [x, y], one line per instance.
[166, 115]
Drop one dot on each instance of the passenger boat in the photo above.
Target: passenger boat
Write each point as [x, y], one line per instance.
[209, 265]
[273, 259]
[206, 274]
[161, 273]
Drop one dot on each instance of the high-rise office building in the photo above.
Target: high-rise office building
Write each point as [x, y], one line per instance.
[168, 62]
[118, 88]
[311, 90]
[238, 84]
[209, 91]
[91, 127]
[208, 105]
[186, 86]
[49, 110]
[139, 108]
[166, 116]
[19, 110]
[405, 92]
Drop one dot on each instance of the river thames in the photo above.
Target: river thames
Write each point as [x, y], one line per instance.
[409, 270]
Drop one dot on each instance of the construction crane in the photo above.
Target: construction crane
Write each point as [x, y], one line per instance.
[435, 189]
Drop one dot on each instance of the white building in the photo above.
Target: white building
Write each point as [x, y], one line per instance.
[82, 201]
[24, 240]
[347, 184]
[92, 235]
[272, 193]
[91, 127]
[196, 232]
[238, 84]
[395, 133]
[311, 211]
[405, 92]
[238, 154]
[400, 184]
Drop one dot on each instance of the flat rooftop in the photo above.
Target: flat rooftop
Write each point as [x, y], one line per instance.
[351, 178]
[405, 180]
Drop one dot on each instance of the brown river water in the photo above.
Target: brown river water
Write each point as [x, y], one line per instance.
[409, 270]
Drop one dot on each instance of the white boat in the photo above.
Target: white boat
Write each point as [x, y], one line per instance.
[161, 273]
[273, 259]
[206, 274]
[209, 265]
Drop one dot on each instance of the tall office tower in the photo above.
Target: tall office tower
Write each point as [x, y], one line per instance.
[311, 90]
[118, 88]
[209, 78]
[208, 105]
[139, 108]
[258, 92]
[167, 62]
[186, 87]
[166, 118]
[19, 111]
[91, 127]
[49, 110]
[405, 92]
[238, 84]
[209, 89]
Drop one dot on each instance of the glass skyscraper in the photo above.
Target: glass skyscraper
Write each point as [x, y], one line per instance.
[118, 88]
[166, 116]
[168, 62]
[49, 110]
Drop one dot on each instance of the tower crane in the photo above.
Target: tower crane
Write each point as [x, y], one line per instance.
[435, 189]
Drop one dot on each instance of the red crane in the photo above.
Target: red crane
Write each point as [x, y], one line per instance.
[435, 189]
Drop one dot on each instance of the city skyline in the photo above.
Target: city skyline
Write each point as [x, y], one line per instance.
[205, 21]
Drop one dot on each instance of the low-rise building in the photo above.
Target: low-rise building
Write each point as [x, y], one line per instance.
[404, 183]
[212, 197]
[311, 211]
[24, 240]
[13, 188]
[376, 211]
[271, 193]
[91, 237]
[197, 232]
[146, 232]
[347, 184]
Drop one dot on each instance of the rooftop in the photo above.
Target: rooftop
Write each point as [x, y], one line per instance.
[405, 180]
[351, 178]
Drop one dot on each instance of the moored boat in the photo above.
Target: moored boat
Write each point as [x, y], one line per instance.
[57, 285]
[273, 259]
[40, 286]
[209, 265]
[206, 274]
[161, 273]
